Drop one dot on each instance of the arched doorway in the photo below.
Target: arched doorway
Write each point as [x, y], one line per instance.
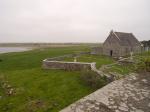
[111, 52]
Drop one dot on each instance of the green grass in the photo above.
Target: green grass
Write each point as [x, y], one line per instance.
[143, 55]
[55, 89]
[121, 69]
[38, 90]
[99, 59]
[129, 68]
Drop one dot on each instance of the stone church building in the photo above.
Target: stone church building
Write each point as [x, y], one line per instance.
[119, 44]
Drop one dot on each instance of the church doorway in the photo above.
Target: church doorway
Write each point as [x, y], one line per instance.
[111, 52]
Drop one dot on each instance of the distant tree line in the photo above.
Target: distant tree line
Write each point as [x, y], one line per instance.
[146, 43]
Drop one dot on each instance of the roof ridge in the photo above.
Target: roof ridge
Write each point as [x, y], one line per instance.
[116, 35]
[123, 32]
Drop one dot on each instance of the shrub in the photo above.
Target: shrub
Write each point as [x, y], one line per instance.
[144, 65]
[147, 64]
[93, 79]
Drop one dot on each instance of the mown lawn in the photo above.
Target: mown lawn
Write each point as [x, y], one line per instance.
[99, 59]
[35, 89]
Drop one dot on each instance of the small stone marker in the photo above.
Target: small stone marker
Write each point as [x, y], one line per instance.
[75, 59]
[131, 55]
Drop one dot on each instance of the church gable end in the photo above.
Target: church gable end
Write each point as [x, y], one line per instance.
[120, 44]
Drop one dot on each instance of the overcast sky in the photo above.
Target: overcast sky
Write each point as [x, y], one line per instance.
[72, 20]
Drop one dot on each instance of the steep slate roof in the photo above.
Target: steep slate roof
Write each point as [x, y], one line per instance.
[127, 39]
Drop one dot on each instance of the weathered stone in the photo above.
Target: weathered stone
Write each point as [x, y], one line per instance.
[138, 110]
[144, 80]
[120, 44]
[66, 65]
[124, 95]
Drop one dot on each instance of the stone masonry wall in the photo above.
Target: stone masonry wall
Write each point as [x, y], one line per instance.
[130, 94]
[66, 65]
[97, 50]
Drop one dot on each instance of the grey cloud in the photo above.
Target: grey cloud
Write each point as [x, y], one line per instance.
[71, 20]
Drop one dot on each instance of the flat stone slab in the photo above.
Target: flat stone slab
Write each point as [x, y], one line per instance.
[131, 94]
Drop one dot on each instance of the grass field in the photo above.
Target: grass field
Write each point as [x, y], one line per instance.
[38, 90]
[99, 59]
[35, 89]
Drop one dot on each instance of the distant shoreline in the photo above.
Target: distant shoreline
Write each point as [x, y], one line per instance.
[14, 49]
[37, 45]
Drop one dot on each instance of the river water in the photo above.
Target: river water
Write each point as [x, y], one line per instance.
[13, 49]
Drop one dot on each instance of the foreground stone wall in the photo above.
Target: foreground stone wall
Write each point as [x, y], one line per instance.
[69, 66]
[131, 94]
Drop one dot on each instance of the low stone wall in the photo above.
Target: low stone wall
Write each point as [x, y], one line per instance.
[97, 51]
[69, 66]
